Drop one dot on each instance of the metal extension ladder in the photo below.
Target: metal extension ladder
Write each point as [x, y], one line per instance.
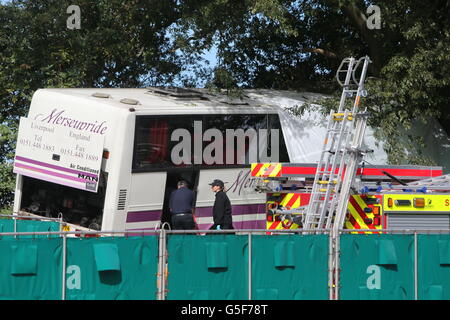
[339, 159]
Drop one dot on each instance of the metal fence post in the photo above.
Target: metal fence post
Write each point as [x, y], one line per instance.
[330, 266]
[249, 266]
[164, 264]
[159, 274]
[64, 262]
[416, 294]
[337, 252]
[15, 226]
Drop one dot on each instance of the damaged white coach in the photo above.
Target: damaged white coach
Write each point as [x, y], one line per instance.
[108, 159]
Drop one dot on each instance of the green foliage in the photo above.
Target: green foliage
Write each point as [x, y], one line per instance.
[120, 44]
[299, 44]
[7, 183]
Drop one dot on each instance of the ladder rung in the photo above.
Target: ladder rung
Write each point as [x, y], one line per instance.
[327, 181]
[339, 116]
[332, 152]
[324, 190]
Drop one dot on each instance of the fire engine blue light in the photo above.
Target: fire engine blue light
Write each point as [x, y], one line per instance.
[365, 190]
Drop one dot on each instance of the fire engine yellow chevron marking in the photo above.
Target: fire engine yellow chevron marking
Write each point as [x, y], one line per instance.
[355, 219]
[348, 224]
[291, 200]
[266, 169]
[279, 225]
[363, 205]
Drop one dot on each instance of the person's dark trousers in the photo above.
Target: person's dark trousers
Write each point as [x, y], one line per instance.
[183, 222]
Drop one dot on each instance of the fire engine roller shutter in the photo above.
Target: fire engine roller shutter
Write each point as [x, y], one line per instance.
[400, 221]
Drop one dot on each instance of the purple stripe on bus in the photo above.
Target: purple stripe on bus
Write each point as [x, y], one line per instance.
[49, 173]
[52, 166]
[155, 215]
[252, 224]
[47, 178]
[144, 216]
[236, 210]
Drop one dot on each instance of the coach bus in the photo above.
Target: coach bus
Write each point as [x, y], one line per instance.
[108, 159]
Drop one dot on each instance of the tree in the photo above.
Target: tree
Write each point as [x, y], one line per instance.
[279, 44]
[299, 44]
[119, 44]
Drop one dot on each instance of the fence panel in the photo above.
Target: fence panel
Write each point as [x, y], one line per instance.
[287, 267]
[434, 267]
[31, 269]
[290, 267]
[210, 267]
[37, 226]
[7, 225]
[377, 267]
[112, 268]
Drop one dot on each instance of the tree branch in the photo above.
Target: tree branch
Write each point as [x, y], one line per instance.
[360, 21]
[323, 52]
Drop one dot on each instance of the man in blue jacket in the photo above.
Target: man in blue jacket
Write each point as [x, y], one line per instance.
[181, 203]
[222, 207]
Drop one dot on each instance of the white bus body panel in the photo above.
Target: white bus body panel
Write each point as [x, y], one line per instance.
[248, 206]
[146, 200]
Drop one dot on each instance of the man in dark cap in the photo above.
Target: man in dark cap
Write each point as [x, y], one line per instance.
[222, 207]
[181, 203]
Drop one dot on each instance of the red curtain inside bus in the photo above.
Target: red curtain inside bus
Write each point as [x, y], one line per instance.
[158, 139]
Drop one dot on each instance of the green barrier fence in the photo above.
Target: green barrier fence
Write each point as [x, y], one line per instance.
[7, 225]
[217, 267]
[37, 226]
[207, 267]
[434, 267]
[112, 268]
[290, 267]
[95, 268]
[30, 269]
[374, 267]
[239, 267]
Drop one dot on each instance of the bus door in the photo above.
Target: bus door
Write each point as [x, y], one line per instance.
[190, 175]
